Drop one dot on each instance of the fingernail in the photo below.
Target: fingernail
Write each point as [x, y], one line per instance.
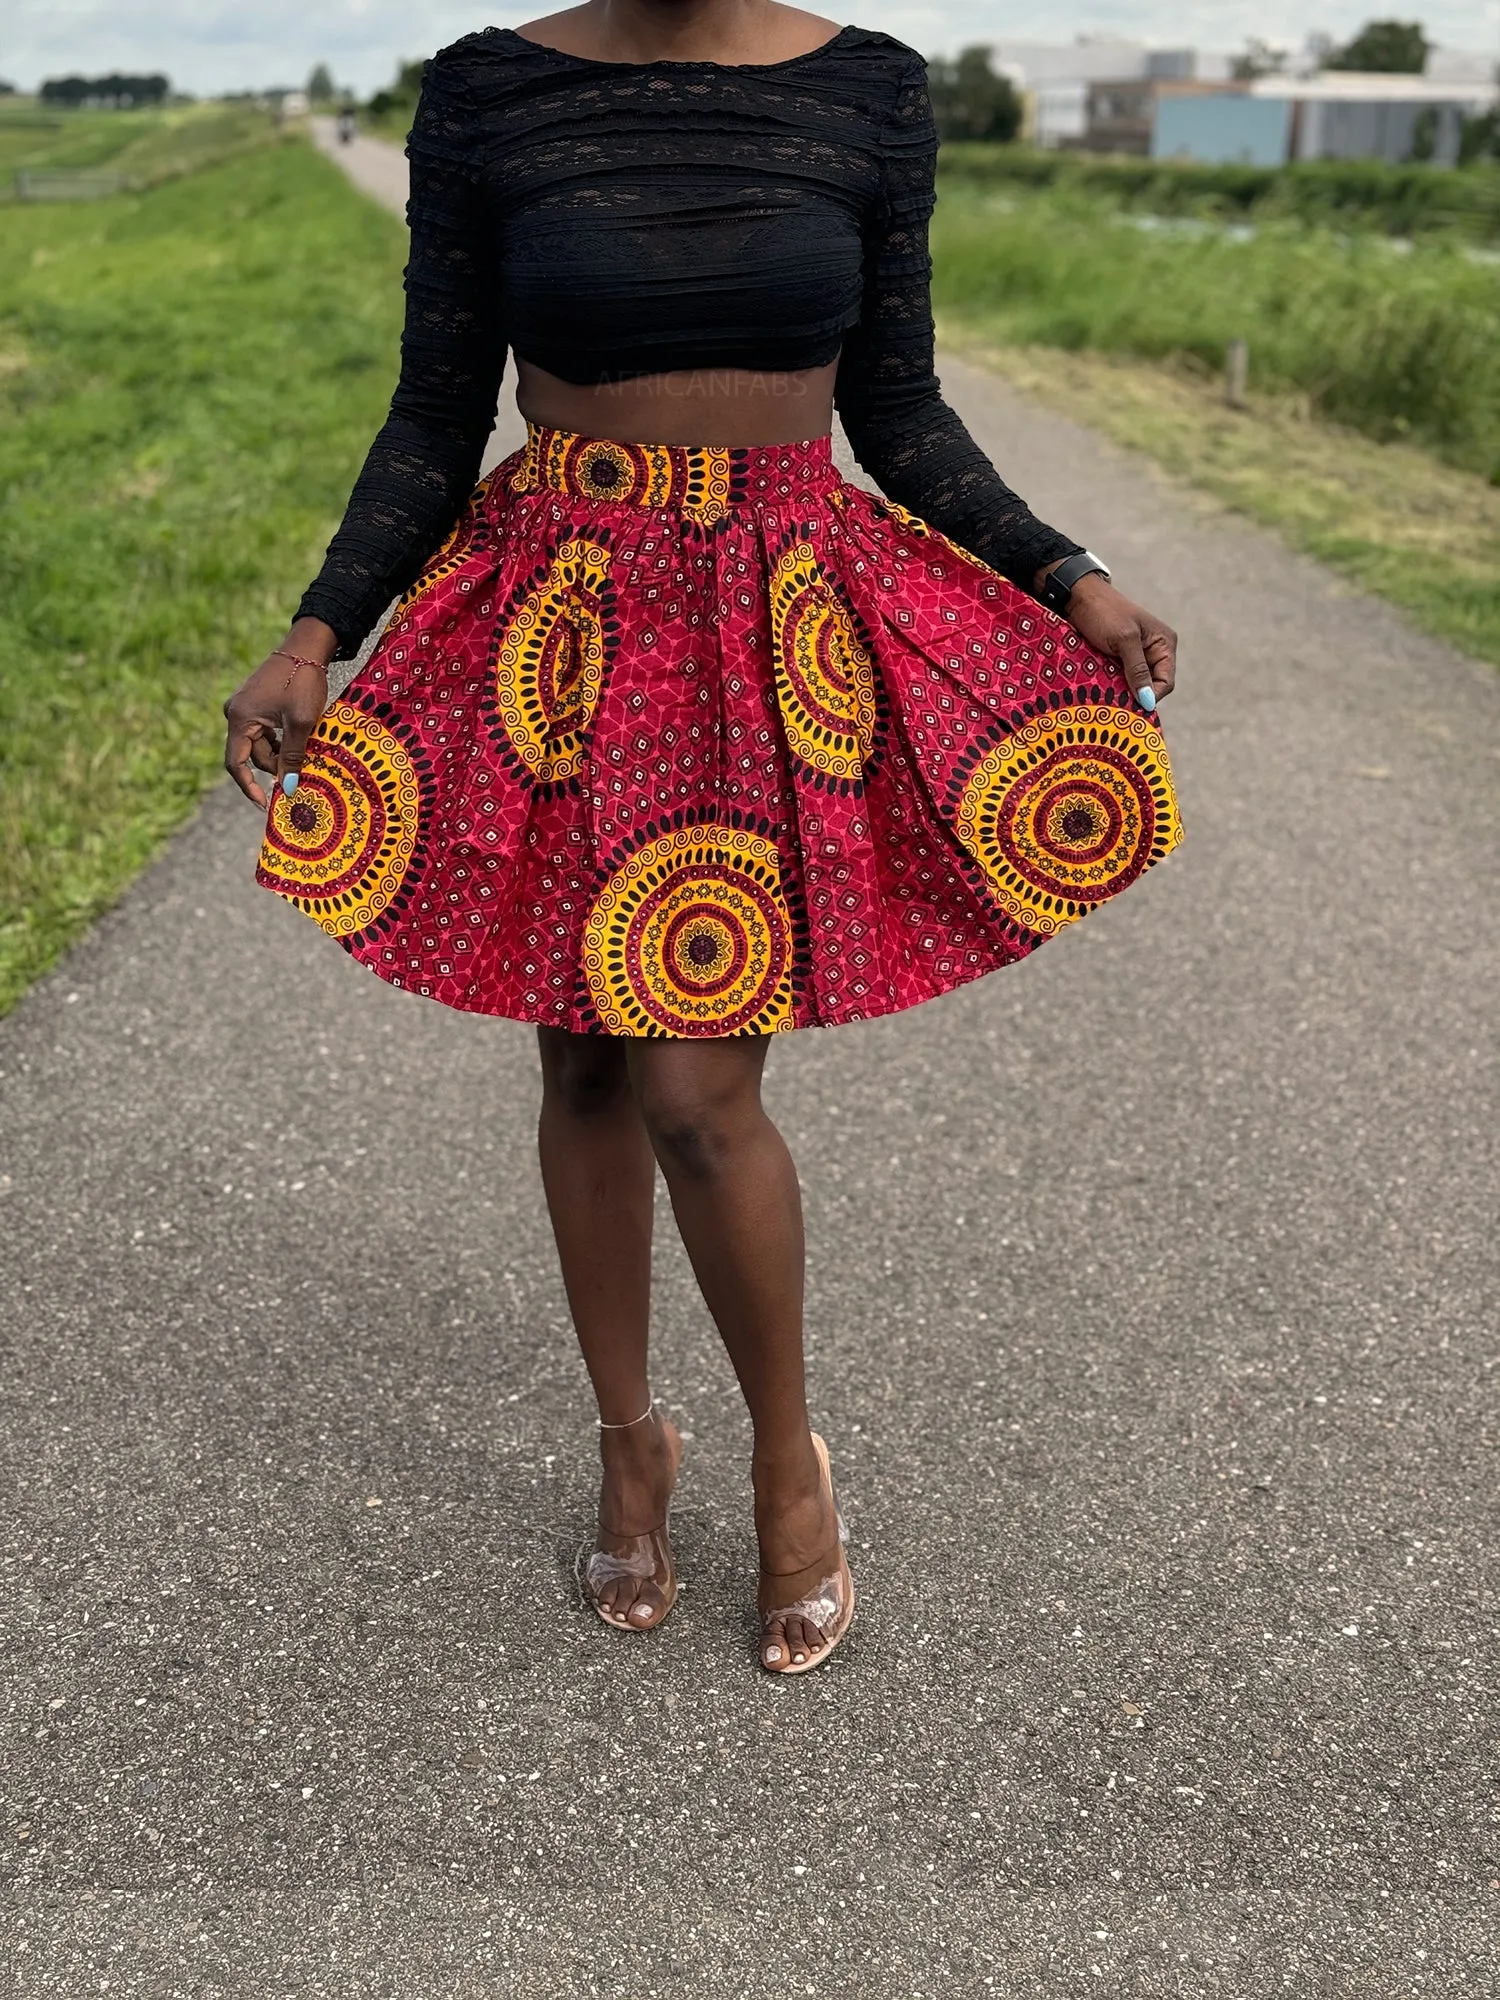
[289, 783]
[1146, 696]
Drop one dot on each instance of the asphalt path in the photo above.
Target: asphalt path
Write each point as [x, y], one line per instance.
[1151, 1320]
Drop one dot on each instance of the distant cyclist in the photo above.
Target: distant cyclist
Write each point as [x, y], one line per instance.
[346, 124]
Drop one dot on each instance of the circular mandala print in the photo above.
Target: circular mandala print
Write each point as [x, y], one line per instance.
[344, 847]
[691, 937]
[603, 470]
[1067, 811]
[550, 666]
[824, 676]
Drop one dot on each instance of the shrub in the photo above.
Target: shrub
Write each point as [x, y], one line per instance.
[1363, 194]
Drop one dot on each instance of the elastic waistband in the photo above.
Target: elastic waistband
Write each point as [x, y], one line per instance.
[702, 481]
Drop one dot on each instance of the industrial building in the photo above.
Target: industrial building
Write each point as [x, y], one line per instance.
[1112, 96]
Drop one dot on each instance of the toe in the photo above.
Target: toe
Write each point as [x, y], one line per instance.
[773, 1646]
[805, 1639]
[649, 1607]
[612, 1599]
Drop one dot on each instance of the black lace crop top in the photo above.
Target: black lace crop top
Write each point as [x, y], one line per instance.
[607, 220]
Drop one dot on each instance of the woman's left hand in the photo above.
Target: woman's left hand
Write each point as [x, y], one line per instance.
[1144, 646]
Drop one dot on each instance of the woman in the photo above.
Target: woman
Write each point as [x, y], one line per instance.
[675, 741]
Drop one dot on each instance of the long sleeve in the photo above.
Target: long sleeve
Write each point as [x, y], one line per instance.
[426, 457]
[905, 436]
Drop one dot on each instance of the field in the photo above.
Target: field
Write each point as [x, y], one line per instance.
[1372, 432]
[1393, 338]
[147, 147]
[188, 380]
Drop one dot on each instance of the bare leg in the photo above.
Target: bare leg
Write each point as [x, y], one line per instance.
[599, 1174]
[735, 1196]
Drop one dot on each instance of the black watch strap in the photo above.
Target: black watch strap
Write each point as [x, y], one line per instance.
[1072, 569]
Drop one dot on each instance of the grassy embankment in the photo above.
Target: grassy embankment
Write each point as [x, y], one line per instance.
[188, 380]
[145, 147]
[1372, 436]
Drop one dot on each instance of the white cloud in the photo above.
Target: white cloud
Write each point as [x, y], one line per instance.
[211, 45]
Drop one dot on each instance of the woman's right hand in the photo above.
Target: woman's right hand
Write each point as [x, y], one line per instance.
[273, 713]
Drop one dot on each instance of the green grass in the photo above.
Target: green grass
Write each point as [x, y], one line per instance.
[188, 380]
[1373, 435]
[1396, 344]
[393, 125]
[145, 146]
[1390, 517]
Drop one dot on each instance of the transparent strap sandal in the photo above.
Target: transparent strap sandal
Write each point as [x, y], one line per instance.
[830, 1607]
[643, 1558]
[648, 1559]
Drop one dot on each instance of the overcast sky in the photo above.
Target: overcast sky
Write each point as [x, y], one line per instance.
[212, 45]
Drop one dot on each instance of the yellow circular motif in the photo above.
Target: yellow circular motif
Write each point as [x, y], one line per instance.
[551, 662]
[1067, 811]
[825, 679]
[691, 936]
[604, 470]
[344, 846]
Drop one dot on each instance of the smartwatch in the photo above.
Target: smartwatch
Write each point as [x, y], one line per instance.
[1059, 585]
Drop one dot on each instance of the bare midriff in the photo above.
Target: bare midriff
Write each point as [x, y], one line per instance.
[695, 406]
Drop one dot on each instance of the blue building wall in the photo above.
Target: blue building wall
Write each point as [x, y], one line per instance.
[1244, 131]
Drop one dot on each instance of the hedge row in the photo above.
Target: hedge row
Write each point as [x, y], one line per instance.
[1366, 194]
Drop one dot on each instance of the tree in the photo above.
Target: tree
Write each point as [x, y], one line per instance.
[404, 92]
[1259, 59]
[320, 85]
[1480, 138]
[1398, 48]
[969, 101]
[1424, 133]
[112, 93]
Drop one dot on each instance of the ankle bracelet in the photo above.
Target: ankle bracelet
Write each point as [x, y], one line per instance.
[633, 1421]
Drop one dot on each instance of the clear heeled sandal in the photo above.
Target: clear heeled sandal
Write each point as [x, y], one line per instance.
[830, 1607]
[644, 1558]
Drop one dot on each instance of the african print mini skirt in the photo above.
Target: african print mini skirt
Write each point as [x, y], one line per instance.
[671, 741]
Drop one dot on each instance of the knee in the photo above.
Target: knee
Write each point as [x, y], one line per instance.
[697, 1133]
[583, 1081]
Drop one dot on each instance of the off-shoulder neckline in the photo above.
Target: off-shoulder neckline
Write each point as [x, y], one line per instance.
[672, 62]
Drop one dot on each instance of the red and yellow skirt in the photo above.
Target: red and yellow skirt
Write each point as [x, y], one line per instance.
[671, 741]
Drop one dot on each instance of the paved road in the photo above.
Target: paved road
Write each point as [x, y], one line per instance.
[1152, 1318]
[372, 164]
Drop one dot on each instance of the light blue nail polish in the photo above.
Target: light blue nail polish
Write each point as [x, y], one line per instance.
[289, 783]
[1146, 696]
